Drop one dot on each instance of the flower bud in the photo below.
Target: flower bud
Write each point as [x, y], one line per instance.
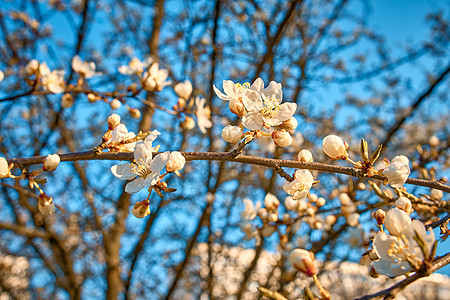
[305, 156]
[134, 113]
[281, 138]
[273, 217]
[303, 261]
[141, 209]
[344, 199]
[51, 162]
[113, 121]
[330, 220]
[289, 124]
[268, 230]
[397, 172]
[379, 215]
[404, 204]
[436, 194]
[334, 147]
[434, 141]
[4, 168]
[290, 203]
[92, 97]
[188, 123]
[237, 107]
[46, 205]
[313, 198]
[32, 67]
[232, 134]
[353, 219]
[310, 211]
[183, 89]
[396, 221]
[320, 202]
[176, 162]
[271, 202]
[67, 100]
[115, 104]
[263, 214]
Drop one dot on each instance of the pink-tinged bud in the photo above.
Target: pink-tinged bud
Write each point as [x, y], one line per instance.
[237, 107]
[67, 100]
[289, 124]
[379, 215]
[176, 162]
[404, 204]
[46, 205]
[334, 147]
[115, 104]
[305, 156]
[51, 162]
[188, 123]
[232, 134]
[281, 138]
[134, 113]
[113, 121]
[303, 261]
[141, 209]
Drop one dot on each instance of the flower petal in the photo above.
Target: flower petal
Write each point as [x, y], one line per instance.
[142, 153]
[253, 121]
[286, 111]
[220, 94]
[159, 162]
[123, 171]
[257, 85]
[135, 185]
[229, 88]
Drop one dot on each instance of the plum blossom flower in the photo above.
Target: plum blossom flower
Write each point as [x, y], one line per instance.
[301, 185]
[85, 69]
[135, 66]
[145, 167]
[404, 204]
[250, 210]
[397, 171]
[397, 221]
[176, 162]
[400, 255]
[264, 108]
[183, 89]
[52, 80]
[303, 261]
[203, 114]
[4, 168]
[51, 162]
[334, 147]
[232, 134]
[155, 78]
[120, 133]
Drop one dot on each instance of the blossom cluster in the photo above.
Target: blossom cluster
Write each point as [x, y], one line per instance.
[261, 110]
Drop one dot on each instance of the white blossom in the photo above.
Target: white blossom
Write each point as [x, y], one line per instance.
[52, 80]
[115, 104]
[334, 147]
[301, 185]
[113, 121]
[183, 89]
[176, 162]
[250, 210]
[120, 133]
[203, 114]
[135, 66]
[85, 69]
[232, 134]
[51, 162]
[404, 204]
[155, 79]
[398, 171]
[145, 167]
[398, 256]
[290, 203]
